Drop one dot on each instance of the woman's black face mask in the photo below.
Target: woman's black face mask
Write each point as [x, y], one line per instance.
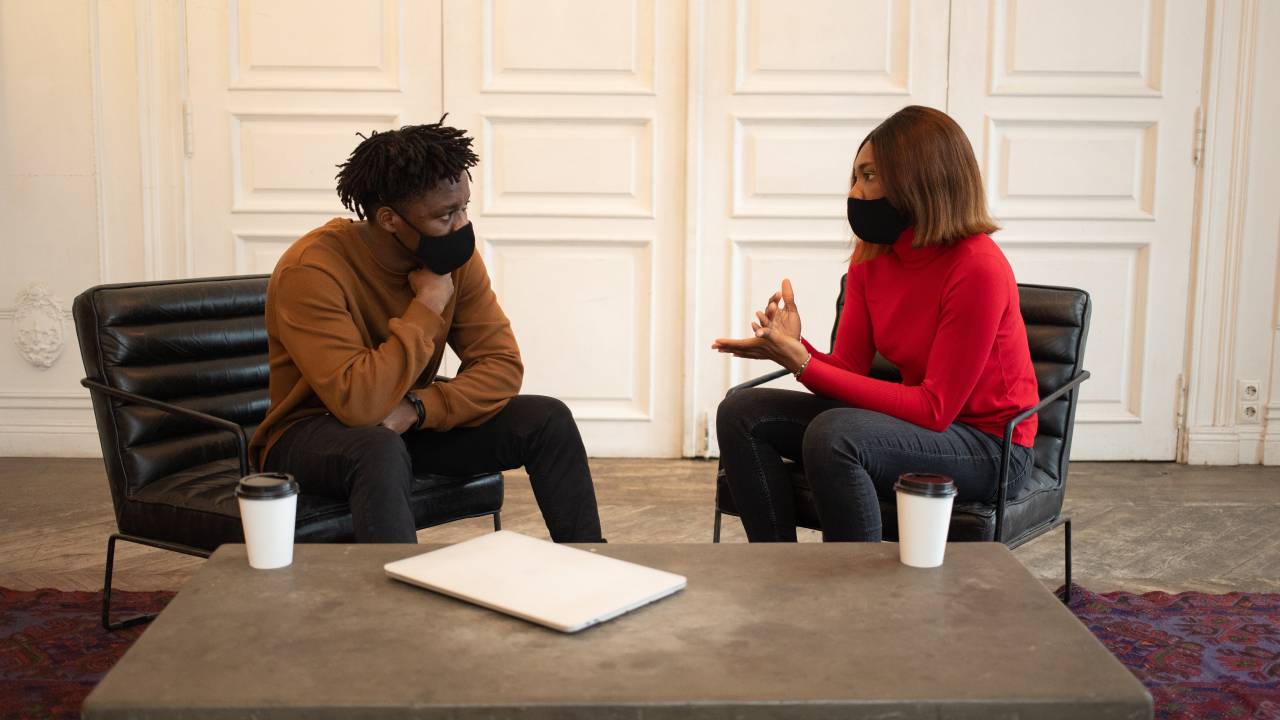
[876, 221]
[442, 254]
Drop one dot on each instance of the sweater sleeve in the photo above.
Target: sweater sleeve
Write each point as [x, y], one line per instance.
[973, 302]
[854, 347]
[491, 371]
[358, 384]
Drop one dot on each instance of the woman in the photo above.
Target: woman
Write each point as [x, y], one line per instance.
[929, 290]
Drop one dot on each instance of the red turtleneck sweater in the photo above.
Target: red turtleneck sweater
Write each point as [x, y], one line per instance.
[948, 318]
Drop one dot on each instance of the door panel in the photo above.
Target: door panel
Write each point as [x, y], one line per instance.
[786, 98]
[279, 90]
[1082, 117]
[578, 111]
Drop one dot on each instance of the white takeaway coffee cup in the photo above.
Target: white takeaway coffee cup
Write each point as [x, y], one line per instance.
[924, 514]
[268, 509]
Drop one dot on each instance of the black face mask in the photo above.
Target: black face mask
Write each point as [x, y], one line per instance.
[876, 221]
[442, 254]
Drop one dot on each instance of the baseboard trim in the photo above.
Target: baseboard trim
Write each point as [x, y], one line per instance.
[1231, 446]
[49, 441]
[47, 425]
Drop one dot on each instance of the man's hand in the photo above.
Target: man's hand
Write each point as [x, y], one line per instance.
[402, 418]
[431, 289]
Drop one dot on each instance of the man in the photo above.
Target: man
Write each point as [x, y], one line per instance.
[358, 314]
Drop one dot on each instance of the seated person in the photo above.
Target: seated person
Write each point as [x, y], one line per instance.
[358, 314]
[929, 290]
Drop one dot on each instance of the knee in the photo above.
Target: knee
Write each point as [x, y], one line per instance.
[545, 419]
[380, 453]
[735, 409]
[552, 411]
[834, 433]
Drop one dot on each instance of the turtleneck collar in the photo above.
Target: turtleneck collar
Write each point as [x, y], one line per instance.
[904, 247]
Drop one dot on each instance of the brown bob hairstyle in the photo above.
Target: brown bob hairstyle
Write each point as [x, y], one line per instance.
[927, 169]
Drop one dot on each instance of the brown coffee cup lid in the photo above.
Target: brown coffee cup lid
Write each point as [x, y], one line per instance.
[266, 486]
[925, 485]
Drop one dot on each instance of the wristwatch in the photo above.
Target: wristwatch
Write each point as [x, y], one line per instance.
[418, 407]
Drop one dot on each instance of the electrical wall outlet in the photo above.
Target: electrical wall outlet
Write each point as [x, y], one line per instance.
[1250, 414]
[1250, 391]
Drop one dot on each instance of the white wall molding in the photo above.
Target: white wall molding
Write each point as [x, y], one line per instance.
[1271, 437]
[49, 423]
[40, 327]
[1211, 436]
[1239, 445]
[99, 141]
[1213, 446]
[160, 32]
[697, 440]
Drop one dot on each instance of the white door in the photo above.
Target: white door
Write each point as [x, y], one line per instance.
[782, 100]
[278, 91]
[1082, 115]
[578, 110]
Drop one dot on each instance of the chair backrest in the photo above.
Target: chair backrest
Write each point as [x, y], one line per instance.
[1057, 320]
[201, 344]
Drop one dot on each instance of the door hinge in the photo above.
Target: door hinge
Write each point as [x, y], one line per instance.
[1197, 145]
[188, 130]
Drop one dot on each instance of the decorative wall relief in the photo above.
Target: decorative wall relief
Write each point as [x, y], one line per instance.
[40, 326]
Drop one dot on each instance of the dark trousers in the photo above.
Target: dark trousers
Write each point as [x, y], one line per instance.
[851, 458]
[372, 468]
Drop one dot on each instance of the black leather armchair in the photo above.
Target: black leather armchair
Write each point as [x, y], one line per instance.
[178, 375]
[1057, 321]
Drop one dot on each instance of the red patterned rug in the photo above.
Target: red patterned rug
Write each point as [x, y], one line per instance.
[53, 649]
[1204, 657]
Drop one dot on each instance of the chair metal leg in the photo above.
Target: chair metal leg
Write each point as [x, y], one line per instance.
[715, 534]
[106, 594]
[1066, 538]
[497, 521]
[106, 581]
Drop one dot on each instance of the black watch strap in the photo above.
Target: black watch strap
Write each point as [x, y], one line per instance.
[418, 407]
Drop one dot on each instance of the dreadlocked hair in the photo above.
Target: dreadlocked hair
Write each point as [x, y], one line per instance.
[396, 165]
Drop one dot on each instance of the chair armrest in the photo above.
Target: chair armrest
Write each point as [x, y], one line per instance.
[1002, 489]
[1044, 403]
[758, 381]
[241, 441]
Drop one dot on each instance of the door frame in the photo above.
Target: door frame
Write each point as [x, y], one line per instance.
[1208, 429]
[140, 120]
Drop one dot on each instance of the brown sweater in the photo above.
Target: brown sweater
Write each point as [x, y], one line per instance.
[346, 337]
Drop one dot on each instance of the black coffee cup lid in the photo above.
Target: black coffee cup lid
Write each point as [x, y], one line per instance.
[266, 486]
[925, 485]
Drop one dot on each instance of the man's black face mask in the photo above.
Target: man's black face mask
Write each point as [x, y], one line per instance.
[442, 254]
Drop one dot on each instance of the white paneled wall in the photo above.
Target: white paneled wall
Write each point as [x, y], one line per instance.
[650, 171]
[1083, 119]
[49, 209]
[270, 126]
[579, 198]
[785, 99]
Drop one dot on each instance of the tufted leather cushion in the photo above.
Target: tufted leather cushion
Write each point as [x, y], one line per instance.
[198, 505]
[202, 344]
[1057, 321]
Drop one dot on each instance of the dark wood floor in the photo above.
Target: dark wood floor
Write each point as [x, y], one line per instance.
[1138, 526]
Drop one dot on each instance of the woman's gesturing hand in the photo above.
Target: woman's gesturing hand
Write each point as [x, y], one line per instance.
[777, 333]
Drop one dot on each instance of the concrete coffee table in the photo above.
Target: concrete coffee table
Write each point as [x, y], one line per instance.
[762, 631]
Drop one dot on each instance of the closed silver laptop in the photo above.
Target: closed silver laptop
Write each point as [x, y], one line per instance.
[561, 587]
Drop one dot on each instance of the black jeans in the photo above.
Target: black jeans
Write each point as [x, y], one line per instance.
[372, 468]
[851, 458]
